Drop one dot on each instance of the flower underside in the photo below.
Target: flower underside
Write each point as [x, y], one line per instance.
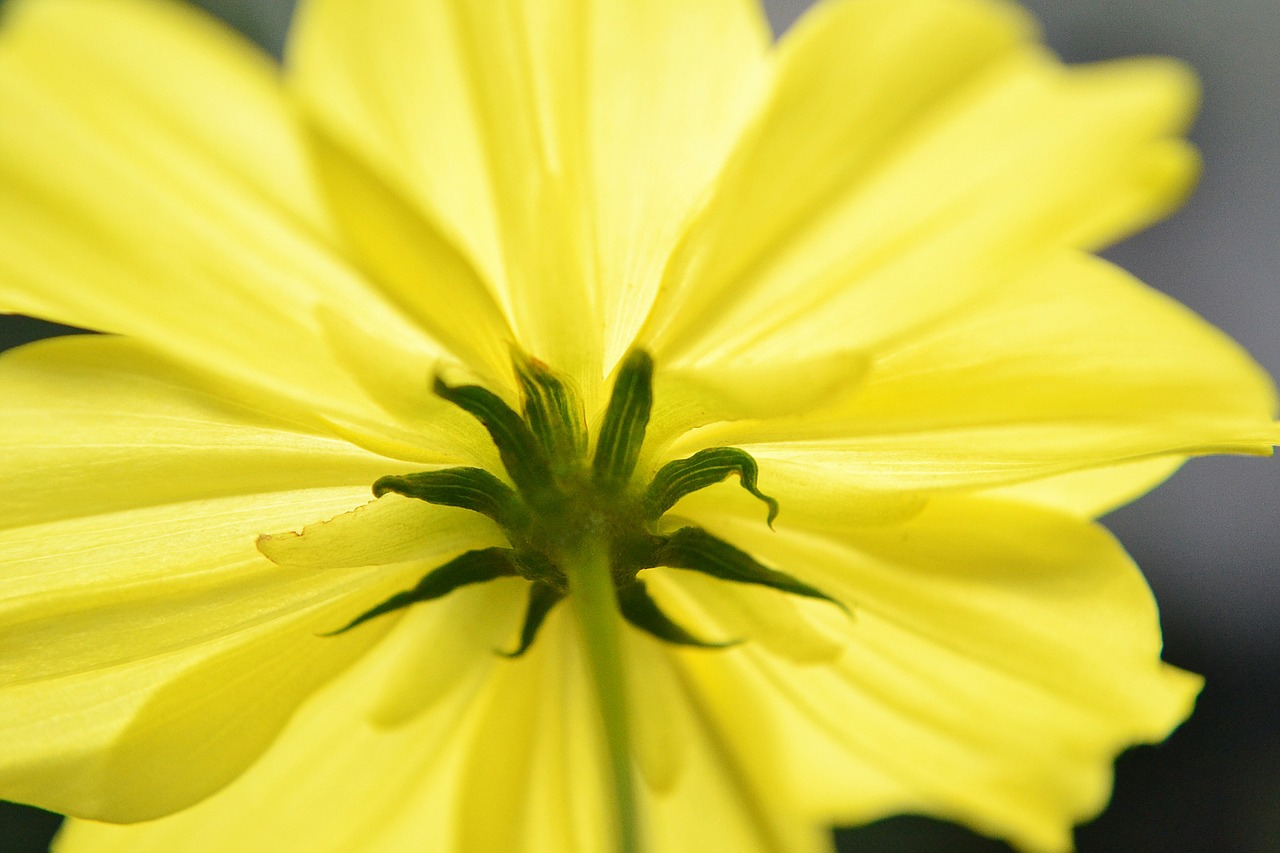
[562, 497]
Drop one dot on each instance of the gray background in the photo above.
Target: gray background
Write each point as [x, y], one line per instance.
[1207, 539]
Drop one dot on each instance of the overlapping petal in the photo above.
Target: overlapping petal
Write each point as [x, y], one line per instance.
[854, 258]
[502, 761]
[1022, 384]
[910, 155]
[392, 529]
[98, 424]
[562, 147]
[1092, 492]
[694, 397]
[185, 197]
[151, 652]
[298, 796]
[998, 656]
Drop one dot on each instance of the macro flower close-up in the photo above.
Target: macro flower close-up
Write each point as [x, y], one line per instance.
[584, 425]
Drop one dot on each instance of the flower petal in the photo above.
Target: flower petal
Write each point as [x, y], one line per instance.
[729, 796]
[138, 614]
[391, 529]
[177, 207]
[660, 739]
[689, 397]
[367, 788]
[1001, 656]
[536, 756]
[95, 424]
[447, 646]
[809, 496]
[519, 131]
[672, 84]
[512, 762]
[425, 274]
[1094, 491]
[416, 423]
[854, 212]
[1022, 385]
[749, 614]
[160, 653]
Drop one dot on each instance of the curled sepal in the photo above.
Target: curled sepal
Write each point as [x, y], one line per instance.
[519, 450]
[466, 488]
[553, 410]
[643, 612]
[704, 468]
[695, 549]
[542, 598]
[625, 421]
[478, 566]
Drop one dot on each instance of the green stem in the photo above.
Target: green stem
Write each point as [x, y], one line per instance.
[595, 603]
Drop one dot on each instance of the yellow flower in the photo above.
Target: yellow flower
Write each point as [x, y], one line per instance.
[859, 257]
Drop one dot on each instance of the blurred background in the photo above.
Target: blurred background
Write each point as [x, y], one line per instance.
[1207, 540]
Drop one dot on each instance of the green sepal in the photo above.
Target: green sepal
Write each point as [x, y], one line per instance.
[552, 409]
[695, 549]
[478, 566]
[519, 450]
[537, 567]
[466, 488]
[625, 421]
[704, 468]
[643, 612]
[542, 598]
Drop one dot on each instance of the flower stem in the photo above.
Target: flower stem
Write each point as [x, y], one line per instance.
[596, 606]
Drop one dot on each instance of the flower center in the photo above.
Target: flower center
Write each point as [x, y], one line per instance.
[562, 497]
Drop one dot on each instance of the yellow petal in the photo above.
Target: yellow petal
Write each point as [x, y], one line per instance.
[1094, 491]
[1001, 656]
[94, 424]
[914, 153]
[729, 796]
[153, 653]
[139, 615]
[331, 782]
[1023, 384]
[177, 207]
[446, 645]
[512, 762]
[744, 613]
[810, 495]
[516, 748]
[688, 397]
[538, 756]
[398, 376]
[1156, 182]
[391, 529]
[660, 739]
[422, 271]
[672, 83]
[519, 130]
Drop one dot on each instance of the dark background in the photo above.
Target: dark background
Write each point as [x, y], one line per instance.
[1207, 540]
